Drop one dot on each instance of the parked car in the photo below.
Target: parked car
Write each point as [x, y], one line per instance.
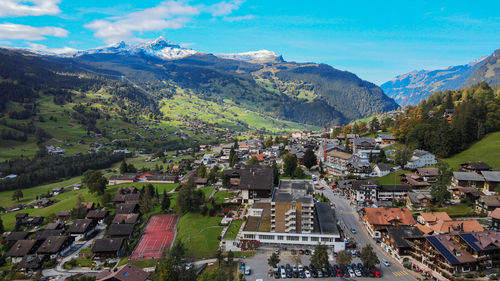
[301, 252]
[353, 230]
[307, 274]
[358, 273]
[248, 271]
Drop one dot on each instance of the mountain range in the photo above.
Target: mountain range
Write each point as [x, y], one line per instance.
[412, 87]
[307, 93]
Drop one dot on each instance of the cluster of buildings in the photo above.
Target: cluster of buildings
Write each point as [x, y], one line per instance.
[289, 216]
[36, 242]
[434, 244]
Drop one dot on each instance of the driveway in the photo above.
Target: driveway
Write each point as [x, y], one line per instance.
[59, 273]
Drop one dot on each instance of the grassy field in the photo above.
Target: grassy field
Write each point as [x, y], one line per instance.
[458, 210]
[66, 200]
[200, 234]
[392, 178]
[31, 193]
[233, 229]
[138, 263]
[221, 196]
[485, 150]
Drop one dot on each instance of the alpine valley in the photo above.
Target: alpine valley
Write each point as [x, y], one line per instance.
[412, 87]
[126, 87]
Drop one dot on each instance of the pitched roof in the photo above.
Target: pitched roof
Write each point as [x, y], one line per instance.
[491, 200]
[432, 172]
[476, 166]
[491, 176]
[120, 229]
[256, 178]
[125, 208]
[434, 217]
[17, 235]
[450, 250]
[43, 234]
[385, 216]
[460, 225]
[485, 240]
[467, 176]
[399, 234]
[383, 167]
[52, 244]
[80, 226]
[125, 272]
[21, 248]
[495, 214]
[125, 218]
[107, 245]
[31, 262]
[97, 214]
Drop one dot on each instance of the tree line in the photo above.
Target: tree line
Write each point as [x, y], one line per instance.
[40, 170]
[447, 123]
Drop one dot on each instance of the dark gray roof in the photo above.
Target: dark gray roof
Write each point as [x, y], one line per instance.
[125, 208]
[326, 218]
[294, 191]
[256, 178]
[107, 245]
[80, 226]
[468, 176]
[491, 176]
[52, 244]
[383, 167]
[31, 262]
[17, 235]
[120, 229]
[43, 234]
[399, 234]
[21, 248]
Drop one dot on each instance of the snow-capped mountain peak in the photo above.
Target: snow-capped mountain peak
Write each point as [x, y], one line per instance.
[161, 48]
[258, 56]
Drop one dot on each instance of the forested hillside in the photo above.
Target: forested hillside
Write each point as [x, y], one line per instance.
[448, 122]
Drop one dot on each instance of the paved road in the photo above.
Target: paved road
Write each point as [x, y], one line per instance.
[347, 215]
[60, 273]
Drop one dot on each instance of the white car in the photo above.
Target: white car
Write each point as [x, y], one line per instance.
[385, 262]
[248, 271]
[351, 273]
[358, 273]
[308, 274]
[283, 274]
[295, 269]
[301, 267]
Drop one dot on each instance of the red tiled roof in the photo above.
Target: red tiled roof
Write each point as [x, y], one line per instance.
[495, 214]
[385, 216]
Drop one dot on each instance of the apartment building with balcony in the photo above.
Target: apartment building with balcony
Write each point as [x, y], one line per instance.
[292, 217]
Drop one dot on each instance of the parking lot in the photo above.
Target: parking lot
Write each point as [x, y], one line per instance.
[261, 270]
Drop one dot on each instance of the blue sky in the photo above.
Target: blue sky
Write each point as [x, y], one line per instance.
[377, 40]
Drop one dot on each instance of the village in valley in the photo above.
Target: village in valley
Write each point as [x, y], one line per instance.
[308, 204]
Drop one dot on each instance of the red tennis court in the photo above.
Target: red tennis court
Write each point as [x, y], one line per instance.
[158, 235]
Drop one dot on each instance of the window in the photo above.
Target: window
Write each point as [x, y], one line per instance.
[249, 236]
[266, 237]
[314, 239]
[304, 238]
[326, 239]
[280, 237]
[292, 238]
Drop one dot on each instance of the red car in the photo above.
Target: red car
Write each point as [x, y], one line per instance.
[377, 274]
[301, 252]
[321, 187]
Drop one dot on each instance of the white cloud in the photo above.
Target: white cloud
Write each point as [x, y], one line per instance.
[224, 8]
[45, 49]
[167, 15]
[239, 18]
[26, 32]
[28, 8]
